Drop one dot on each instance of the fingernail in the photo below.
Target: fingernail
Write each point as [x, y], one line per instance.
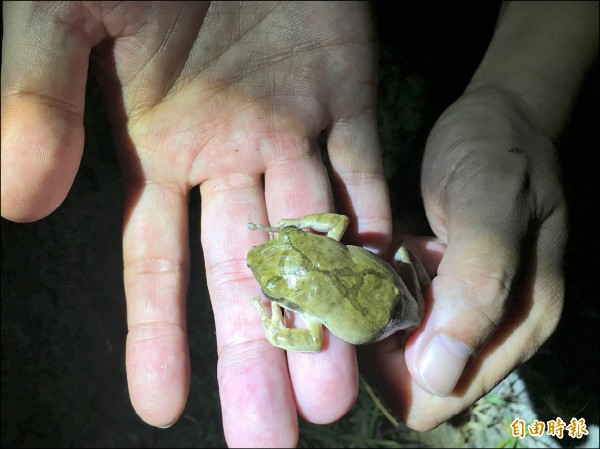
[167, 426]
[442, 363]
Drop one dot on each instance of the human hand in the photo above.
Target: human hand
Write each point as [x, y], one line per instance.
[219, 97]
[493, 197]
[492, 192]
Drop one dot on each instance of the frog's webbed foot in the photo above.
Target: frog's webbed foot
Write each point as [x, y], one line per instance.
[309, 339]
[333, 224]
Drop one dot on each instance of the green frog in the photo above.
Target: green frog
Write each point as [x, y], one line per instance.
[356, 294]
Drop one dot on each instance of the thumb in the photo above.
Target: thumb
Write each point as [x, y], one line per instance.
[45, 53]
[468, 298]
[482, 271]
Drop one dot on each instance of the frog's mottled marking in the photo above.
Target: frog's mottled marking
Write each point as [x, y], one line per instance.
[357, 295]
[337, 276]
[350, 282]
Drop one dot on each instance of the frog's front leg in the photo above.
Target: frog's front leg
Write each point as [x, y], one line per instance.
[333, 224]
[269, 229]
[309, 339]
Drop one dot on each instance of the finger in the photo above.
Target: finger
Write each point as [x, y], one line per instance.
[490, 253]
[44, 69]
[254, 386]
[156, 272]
[359, 180]
[529, 323]
[296, 183]
[532, 318]
[470, 296]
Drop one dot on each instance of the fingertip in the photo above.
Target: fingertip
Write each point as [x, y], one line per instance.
[41, 153]
[438, 352]
[440, 364]
[158, 376]
[257, 401]
[336, 369]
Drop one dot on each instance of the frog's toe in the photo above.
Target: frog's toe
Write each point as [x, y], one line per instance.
[260, 309]
[402, 255]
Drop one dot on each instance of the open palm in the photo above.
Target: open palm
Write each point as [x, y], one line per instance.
[232, 98]
[235, 98]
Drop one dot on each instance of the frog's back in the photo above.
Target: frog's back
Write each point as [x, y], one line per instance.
[355, 294]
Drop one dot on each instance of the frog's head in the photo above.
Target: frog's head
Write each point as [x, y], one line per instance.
[257, 259]
[274, 259]
[263, 259]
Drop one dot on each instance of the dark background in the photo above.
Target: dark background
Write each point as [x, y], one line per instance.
[63, 305]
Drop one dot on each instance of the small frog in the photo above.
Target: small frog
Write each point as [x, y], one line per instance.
[357, 295]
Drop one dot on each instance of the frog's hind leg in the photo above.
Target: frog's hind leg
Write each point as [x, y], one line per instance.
[415, 277]
[405, 256]
[309, 339]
